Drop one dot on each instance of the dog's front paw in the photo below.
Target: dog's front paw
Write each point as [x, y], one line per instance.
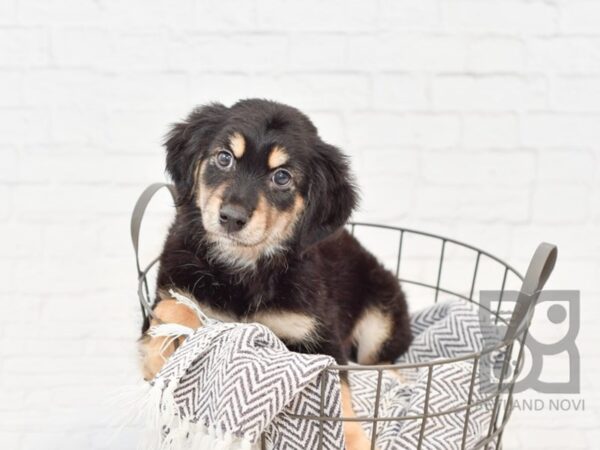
[356, 438]
[155, 350]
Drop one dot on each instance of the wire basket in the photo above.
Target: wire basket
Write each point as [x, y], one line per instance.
[441, 267]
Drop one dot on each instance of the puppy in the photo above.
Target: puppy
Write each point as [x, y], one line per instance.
[258, 237]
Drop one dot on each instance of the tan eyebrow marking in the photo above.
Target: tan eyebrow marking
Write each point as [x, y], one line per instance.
[277, 157]
[238, 144]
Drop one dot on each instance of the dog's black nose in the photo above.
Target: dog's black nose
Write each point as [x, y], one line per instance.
[233, 217]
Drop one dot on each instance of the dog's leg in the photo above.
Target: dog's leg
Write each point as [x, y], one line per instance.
[153, 350]
[356, 438]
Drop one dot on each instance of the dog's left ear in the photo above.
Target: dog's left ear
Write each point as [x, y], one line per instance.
[331, 195]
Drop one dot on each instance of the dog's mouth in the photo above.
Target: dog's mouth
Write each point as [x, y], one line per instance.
[232, 239]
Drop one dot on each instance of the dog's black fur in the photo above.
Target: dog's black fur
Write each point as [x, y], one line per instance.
[319, 270]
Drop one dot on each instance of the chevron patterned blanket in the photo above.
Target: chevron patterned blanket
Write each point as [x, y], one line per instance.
[230, 385]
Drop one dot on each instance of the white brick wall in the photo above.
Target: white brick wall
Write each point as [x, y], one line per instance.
[478, 119]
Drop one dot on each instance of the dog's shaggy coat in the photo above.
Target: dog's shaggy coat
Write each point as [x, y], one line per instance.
[258, 236]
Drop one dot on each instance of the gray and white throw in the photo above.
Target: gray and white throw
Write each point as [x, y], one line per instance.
[230, 385]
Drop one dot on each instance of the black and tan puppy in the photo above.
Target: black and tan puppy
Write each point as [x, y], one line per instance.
[259, 237]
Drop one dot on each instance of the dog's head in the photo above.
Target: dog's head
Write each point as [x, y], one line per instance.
[260, 177]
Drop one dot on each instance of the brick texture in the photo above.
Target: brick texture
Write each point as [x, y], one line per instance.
[474, 119]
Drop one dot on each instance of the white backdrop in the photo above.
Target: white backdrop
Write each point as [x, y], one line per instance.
[477, 119]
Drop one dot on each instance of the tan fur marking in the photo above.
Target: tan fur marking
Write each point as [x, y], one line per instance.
[284, 221]
[292, 326]
[202, 191]
[277, 157]
[372, 329]
[209, 202]
[167, 311]
[355, 436]
[238, 144]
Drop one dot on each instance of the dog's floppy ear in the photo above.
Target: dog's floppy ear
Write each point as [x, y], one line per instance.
[331, 195]
[187, 142]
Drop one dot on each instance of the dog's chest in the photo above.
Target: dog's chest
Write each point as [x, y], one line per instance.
[291, 326]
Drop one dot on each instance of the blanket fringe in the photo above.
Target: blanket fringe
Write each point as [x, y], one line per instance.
[171, 331]
[127, 405]
[205, 438]
[182, 299]
[166, 430]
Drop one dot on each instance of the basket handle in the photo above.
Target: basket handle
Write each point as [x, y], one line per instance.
[539, 270]
[136, 222]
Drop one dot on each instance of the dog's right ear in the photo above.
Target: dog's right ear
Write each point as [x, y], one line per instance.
[332, 195]
[187, 142]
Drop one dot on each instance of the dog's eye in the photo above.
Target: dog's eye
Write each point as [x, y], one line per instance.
[282, 178]
[224, 159]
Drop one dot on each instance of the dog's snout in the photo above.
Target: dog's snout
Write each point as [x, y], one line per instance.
[233, 217]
